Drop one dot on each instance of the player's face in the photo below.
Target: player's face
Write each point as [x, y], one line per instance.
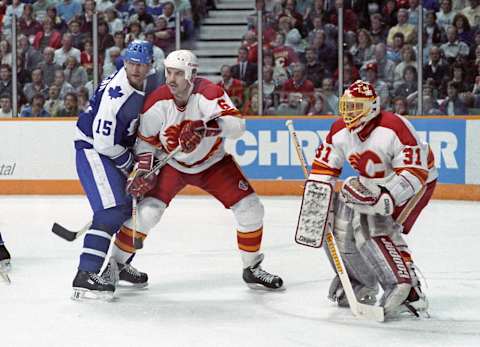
[176, 81]
[136, 73]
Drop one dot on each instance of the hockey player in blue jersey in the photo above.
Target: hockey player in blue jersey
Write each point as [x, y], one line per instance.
[105, 134]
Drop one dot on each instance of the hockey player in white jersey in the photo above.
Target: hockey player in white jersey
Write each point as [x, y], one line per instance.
[198, 116]
[105, 134]
[396, 179]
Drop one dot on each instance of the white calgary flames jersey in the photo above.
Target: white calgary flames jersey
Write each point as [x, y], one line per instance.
[387, 145]
[161, 122]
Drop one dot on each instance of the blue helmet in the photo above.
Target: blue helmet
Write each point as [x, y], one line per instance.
[139, 51]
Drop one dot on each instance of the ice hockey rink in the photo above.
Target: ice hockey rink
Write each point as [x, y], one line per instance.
[196, 295]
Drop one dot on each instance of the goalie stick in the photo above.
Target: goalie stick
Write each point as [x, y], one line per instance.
[358, 309]
[71, 235]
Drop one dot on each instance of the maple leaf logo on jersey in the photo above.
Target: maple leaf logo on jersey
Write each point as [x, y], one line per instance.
[115, 92]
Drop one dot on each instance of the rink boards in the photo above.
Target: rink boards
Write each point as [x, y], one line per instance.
[37, 155]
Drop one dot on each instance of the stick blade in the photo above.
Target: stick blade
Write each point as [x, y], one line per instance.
[64, 233]
[374, 313]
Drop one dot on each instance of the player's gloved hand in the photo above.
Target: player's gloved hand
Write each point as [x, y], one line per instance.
[191, 135]
[193, 132]
[138, 183]
[366, 197]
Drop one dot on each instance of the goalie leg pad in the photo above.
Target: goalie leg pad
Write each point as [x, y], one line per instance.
[378, 249]
[364, 280]
[316, 213]
[391, 271]
[343, 230]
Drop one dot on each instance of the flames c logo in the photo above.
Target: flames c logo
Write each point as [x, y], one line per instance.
[172, 133]
[367, 164]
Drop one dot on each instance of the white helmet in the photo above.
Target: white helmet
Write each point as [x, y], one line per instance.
[183, 60]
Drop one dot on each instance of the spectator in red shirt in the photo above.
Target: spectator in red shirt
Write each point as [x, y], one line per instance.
[233, 87]
[299, 84]
[283, 55]
[251, 44]
[350, 19]
[48, 37]
[86, 57]
[28, 24]
[290, 12]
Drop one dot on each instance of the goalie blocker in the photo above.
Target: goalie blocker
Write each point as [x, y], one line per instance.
[316, 213]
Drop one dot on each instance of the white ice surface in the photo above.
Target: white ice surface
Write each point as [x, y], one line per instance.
[196, 296]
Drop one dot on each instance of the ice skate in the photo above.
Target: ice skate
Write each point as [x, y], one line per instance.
[89, 285]
[257, 278]
[124, 275]
[416, 303]
[364, 294]
[4, 263]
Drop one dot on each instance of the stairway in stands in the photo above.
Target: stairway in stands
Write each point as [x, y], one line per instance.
[220, 36]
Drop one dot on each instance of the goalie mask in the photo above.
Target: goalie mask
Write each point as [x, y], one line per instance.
[358, 105]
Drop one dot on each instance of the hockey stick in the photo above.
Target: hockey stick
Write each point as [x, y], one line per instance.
[71, 235]
[67, 234]
[358, 309]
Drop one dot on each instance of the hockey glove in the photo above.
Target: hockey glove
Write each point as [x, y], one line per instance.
[191, 135]
[365, 197]
[193, 132]
[137, 183]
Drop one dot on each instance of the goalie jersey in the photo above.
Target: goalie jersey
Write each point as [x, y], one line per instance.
[110, 123]
[387, 145]
[162, 119]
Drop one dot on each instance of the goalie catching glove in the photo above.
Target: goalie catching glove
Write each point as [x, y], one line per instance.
[193, 132]
[366, 197]
[138, 183]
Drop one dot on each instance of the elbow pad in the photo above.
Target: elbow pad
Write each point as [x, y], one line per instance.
[232, 127]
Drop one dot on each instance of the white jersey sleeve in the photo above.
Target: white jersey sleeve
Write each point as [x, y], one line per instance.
[329, 158]
[224, 111]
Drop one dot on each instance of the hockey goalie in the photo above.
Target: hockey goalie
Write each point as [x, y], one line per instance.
[372, 211]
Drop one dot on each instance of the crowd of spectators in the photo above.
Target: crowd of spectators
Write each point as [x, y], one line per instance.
[54, 65]
[300, 56]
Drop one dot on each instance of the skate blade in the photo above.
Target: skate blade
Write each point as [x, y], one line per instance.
[82, 294]
[128, 285]
[261, 287]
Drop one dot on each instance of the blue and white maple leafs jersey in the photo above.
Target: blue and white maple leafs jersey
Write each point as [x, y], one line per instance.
[109, 125]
